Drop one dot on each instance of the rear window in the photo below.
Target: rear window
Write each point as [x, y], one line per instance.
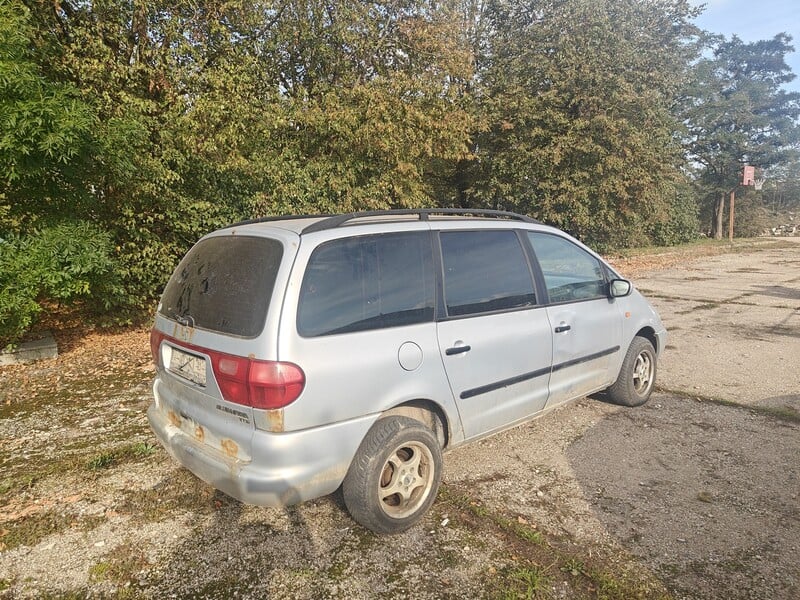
[368, 282]
[224, 284]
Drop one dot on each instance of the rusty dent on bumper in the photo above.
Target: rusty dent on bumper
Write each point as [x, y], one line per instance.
[284, 468]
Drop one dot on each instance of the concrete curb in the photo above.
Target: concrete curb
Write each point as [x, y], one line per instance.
[32, 351]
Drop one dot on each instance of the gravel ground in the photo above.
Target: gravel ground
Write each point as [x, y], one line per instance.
[694, 495]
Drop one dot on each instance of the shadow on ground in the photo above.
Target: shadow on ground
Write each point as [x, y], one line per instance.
[706, 494]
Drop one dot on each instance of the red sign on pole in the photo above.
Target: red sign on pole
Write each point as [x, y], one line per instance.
[748, 175]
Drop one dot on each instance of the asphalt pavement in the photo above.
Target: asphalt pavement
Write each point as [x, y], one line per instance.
[734, 325]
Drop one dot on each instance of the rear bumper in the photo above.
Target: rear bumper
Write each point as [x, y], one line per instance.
[286, 468]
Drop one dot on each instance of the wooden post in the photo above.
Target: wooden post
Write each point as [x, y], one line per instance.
[719, 210]
[730, 215]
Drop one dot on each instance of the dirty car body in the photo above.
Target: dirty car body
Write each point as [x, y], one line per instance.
[294, 355]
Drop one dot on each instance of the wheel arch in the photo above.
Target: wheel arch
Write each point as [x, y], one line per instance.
[427, 412]
[649, 334]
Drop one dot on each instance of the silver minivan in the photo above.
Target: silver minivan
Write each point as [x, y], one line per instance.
[300, 354]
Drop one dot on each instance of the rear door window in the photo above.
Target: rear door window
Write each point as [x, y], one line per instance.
[485, 271]
[570, 273]
[224, 284]
[367, 282]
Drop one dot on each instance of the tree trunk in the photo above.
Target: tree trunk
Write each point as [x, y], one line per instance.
[716, 225]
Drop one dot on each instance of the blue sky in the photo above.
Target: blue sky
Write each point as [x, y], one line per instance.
[755, 20]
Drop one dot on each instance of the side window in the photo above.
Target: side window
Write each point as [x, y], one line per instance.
[367, 282]
[570, 272]
[484, 271]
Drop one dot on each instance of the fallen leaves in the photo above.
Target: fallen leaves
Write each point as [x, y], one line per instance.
[107, 359]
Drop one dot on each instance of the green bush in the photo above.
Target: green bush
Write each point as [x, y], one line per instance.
[62, 263]
[18, 291]
[751, 217]
[682, 224]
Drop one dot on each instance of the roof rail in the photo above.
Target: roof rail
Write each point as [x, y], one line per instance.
[276, 218]
[423, 213]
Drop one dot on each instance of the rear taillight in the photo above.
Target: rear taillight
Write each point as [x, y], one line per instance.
[156, 337]
[275, 384]
[263, 384]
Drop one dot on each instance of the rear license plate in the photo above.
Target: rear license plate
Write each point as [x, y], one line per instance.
[188, 366]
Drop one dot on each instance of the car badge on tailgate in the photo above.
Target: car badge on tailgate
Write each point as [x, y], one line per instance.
[242, 416]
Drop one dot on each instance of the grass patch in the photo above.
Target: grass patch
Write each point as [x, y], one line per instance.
[181, 490]
[16, 484]
[142, 449]
[31, 530]
[699, 397]
[91, 522]
[700, 244]
[78, 594]
[101, 461]
[530, 581]
[25, 473]
[518, 527]
[529, 535]
[782, 413]
[229, 586]
[625, 585]
[704, 306]
[573, 566]
[521, 529]
[704, 247]
[599, 573]
[128, 453]
[120, 566]
[99, 571]
[30, 472]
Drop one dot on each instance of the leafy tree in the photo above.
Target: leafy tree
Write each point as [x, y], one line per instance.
[148, 124]
[737, 113]
[46, 133]
[782, 187]
[576, 99]
[196, 116]
[751, 216]
[682, 224]
[356, 106]
[45, 129]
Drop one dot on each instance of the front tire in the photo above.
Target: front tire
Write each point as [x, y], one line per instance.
[395, 475]
[637, 376]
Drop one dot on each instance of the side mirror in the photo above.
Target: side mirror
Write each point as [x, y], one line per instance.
[619, 288]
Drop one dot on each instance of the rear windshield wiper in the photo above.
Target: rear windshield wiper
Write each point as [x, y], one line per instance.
[185, 320]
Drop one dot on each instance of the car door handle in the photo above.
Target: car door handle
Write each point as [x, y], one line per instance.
[562, 328]
[457, 350]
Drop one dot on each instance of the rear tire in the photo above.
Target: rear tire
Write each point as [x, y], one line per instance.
[395, 475]
[637, 376]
